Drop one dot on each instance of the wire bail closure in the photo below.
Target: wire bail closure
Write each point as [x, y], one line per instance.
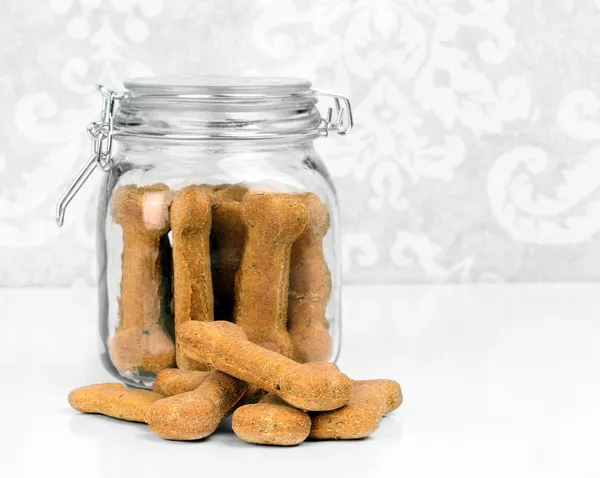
[343, 115]
[338, 118]
[102, 136]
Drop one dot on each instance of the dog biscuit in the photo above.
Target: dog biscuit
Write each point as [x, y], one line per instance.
[113, 400]
[370, 401]
[196, 414]
[192, 277]
[273, 222]
[271, 422]
[313, 386]
[140, 341]
[228, 236]
[310, 287]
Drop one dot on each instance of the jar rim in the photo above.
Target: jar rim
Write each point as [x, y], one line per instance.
[226, 107]
[217, 85]
[217, 107]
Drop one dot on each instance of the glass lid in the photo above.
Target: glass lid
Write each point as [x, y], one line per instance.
[217, 85]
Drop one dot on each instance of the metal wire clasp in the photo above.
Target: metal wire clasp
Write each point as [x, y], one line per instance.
[102, 136]
[343, 122]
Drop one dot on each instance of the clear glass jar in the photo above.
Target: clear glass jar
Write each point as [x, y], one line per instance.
[215, 206]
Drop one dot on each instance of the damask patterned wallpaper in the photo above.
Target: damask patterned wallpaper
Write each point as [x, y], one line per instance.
[476, 155]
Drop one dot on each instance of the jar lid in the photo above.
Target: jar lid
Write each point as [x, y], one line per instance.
[218, 108]
[217, 85]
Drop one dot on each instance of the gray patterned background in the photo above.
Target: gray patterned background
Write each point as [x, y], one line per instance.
[477, 151]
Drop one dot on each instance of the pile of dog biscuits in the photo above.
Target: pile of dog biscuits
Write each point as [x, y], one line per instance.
[230, 314]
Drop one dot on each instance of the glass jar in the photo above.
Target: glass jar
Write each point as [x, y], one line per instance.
[215, 206]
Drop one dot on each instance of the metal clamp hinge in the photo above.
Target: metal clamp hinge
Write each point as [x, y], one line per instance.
[339, 118]
[102, 136]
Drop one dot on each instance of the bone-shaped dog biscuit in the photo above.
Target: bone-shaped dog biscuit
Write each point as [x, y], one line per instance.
[228, 236]
[310, 287]
[192, 278]
[140, 341]
[196, 414]
[113, 400]
[271, 422]
[313, 386]
[273, 222]
[370, 401]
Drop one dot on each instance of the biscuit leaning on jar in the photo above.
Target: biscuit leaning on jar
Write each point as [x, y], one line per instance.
[140, 342]
[314, 386]
[273, 222]
[310, 287]
[192, 279]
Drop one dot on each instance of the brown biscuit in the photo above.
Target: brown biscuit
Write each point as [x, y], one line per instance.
[192, 284]
[273, 222]
[113, 400]
[196, 414]
[310, 287]
[227, 236]
[313, 386]
[370, 401]
[140, 341]
[271, 422]
[173, 381]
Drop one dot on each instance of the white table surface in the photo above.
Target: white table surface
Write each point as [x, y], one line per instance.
[499, 381]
